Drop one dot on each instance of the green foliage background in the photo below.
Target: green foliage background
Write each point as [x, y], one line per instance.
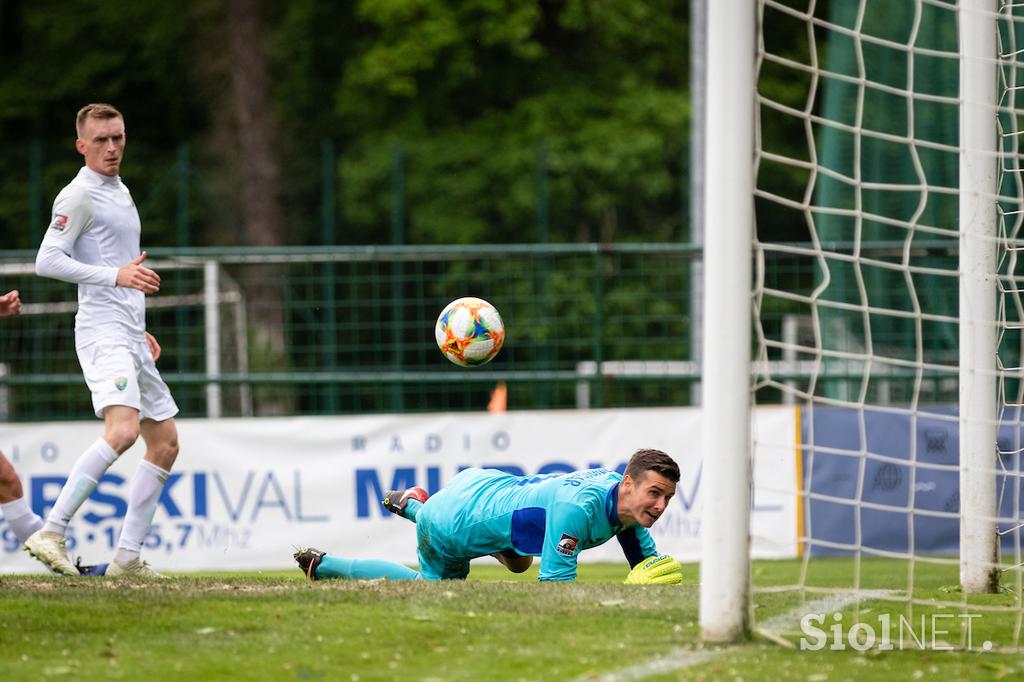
[471, 94]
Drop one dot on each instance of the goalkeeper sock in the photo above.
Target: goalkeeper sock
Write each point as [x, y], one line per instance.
[363, 569]
[20, 517]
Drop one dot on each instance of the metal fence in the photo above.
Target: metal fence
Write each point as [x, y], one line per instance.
[349, 330]
[336, 330]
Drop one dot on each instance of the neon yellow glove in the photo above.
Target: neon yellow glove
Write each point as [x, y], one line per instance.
[660, 569]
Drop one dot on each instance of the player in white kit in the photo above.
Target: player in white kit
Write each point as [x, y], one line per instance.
[93, 240]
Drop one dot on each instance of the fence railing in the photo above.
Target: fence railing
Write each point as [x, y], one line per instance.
[350, 329]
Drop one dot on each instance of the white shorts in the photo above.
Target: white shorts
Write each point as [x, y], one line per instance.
[122, 372]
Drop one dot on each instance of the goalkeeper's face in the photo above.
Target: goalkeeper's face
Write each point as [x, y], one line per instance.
[643, 500]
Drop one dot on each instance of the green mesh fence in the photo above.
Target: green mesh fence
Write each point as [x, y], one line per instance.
[339, 330]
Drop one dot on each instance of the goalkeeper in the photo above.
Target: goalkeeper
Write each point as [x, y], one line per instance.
[485, 512]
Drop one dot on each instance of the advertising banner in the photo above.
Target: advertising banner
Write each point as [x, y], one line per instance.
[887, 482]
[245, 493]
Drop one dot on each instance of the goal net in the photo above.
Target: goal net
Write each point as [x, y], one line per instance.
[888, 208]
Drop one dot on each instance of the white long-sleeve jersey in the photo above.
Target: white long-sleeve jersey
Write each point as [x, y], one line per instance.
[94, 231]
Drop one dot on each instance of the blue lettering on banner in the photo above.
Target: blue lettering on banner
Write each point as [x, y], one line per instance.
[234, 511]
[369, 491]
[256, 494]
[264, 499]
[117, 504]
[499, 441]
[41, 503]
[165, 496]
[199, 494]
[110, 496]
[688, 502]
[433, 479]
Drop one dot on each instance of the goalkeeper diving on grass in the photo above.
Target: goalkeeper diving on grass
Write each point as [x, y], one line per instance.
[487, 512]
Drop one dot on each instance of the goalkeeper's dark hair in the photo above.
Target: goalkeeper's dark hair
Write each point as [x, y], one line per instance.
[652, 460]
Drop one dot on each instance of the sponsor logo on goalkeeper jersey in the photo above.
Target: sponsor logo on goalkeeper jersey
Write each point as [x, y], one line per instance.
[567, 545]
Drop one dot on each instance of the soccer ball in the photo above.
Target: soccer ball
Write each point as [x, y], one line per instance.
[469, 331]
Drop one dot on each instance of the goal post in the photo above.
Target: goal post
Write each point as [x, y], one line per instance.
[729, 214]
[883, 147]
[978, 386]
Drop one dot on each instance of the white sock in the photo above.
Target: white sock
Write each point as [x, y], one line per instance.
[147, 485]
[89, 468]
[20, 517]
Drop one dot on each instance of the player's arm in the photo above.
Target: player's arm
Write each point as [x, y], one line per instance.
[73, 216]
[566, 527]
[137, 276]
[637, 544]
[54, 262]
[648, 567]
[154, 347]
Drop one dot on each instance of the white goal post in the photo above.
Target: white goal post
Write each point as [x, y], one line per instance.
[978, 387]
[736, 151]
[729, 220]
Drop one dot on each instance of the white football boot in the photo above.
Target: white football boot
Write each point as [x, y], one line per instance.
[51, 549]
[136, 568]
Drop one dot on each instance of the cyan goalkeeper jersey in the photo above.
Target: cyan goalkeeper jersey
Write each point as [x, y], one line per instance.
[555, 517]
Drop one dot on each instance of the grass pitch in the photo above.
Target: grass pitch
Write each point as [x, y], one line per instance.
[496, 626]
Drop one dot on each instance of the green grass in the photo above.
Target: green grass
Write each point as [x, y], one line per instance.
[496, 626]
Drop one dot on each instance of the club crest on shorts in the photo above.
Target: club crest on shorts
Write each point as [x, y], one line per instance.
[567, 545]
[121, 383]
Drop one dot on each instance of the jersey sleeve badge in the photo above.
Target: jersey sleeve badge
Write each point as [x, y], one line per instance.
[59, 222]
[567, 545]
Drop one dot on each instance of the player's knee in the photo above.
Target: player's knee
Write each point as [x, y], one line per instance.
[121, 436]
[513, 561]
[165, 452]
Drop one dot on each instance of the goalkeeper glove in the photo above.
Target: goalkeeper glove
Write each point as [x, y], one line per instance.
[660, 569]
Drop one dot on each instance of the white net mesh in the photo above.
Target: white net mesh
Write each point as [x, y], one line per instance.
[857, 273]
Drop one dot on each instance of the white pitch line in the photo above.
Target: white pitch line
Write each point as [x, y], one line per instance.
[677, 659]
[830, 604]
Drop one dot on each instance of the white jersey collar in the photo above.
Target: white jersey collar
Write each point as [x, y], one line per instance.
[94, 178]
